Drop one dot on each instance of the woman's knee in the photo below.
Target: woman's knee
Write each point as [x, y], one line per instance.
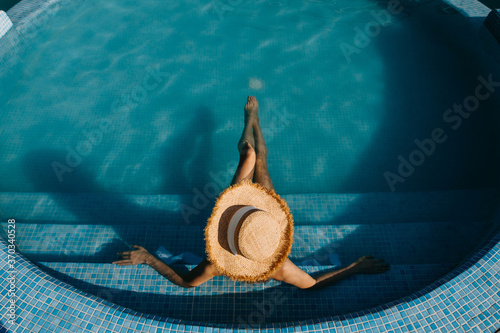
[245, 149]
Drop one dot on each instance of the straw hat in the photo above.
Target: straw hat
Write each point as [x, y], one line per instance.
[250, 232]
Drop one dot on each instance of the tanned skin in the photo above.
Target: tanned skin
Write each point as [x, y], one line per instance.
[253, 166]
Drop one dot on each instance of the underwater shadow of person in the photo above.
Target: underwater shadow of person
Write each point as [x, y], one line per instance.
[185, 159]
[87, 200]
[186, 162]
[83, 196]
[88, 203]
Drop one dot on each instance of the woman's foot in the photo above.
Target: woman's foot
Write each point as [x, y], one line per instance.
[252, 109]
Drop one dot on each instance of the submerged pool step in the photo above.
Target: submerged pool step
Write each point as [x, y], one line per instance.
[222, 300]
[404, 243]
[307, 209]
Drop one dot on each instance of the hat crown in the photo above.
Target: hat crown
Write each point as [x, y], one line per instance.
[222, 233]
[259, 236]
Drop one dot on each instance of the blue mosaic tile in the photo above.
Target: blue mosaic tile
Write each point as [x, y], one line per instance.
[364, 208]
[394, 319]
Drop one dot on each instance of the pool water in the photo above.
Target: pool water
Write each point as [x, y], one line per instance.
[122, 113]
[335, 120]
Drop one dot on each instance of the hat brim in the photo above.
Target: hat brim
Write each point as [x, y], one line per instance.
[237, 267]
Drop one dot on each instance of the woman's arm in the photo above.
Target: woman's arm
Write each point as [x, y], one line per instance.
[330, 278]
[198, 275]
[291, 274]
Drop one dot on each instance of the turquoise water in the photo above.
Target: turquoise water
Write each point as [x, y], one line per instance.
[335, 119]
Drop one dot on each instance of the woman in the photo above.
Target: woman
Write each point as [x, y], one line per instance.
[249, 235]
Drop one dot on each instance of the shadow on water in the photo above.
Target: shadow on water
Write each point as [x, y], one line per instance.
[87, 200]
[428, 66]
[421, 82]
[100, 207]
[430, 61]
[185, 162]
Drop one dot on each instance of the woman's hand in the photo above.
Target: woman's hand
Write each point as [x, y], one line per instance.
[140, 256]
[370, 265]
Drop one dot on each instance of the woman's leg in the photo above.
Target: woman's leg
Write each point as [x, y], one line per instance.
[261, 174]
[246, 166]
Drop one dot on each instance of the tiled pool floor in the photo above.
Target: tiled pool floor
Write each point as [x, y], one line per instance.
[223, 301]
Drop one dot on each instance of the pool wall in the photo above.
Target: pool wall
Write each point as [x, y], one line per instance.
[465, 300]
